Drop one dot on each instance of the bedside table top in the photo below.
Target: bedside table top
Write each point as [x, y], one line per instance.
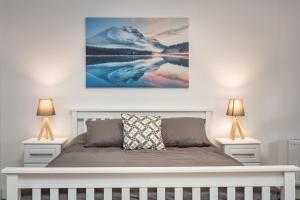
[247, 140]
[44, 141]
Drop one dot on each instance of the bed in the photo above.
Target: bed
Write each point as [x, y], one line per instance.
[175, 173]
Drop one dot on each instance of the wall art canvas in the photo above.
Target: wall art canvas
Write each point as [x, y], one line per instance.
[137, 52]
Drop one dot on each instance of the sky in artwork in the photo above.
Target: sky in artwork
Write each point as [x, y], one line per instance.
[167, 30]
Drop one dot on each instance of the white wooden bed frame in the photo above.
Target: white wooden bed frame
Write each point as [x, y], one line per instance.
[282, 176]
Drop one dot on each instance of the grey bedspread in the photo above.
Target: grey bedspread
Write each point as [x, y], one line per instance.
[76, 155]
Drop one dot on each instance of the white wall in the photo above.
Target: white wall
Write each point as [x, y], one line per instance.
[2, 19]
[236, 50]
[289, 72]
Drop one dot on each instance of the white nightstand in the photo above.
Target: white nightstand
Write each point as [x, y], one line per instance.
[38, 153]
[246, 151]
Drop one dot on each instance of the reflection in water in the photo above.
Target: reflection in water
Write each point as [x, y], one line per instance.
[136, 71]
[176, 61]
[91, 60]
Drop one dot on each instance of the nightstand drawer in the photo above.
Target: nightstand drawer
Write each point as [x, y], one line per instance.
[245, 155]
[41, 153]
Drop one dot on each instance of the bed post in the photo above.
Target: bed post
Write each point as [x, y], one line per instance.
[289, 185]
[74, 124]
[12, 187]
[207, 121]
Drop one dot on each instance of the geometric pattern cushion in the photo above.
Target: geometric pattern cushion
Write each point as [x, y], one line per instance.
[142, 132]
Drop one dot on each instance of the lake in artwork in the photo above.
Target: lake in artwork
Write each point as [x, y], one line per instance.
[137, 52]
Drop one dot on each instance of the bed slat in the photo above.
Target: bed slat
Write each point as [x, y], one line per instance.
[72, 193]
[196, 193]
[107, 193]
[84, 125]
[54, 194]
[231, 193]
[265, 192]
[125, 193]
[248, 193]
[213, 193]
[178, 193]
[143, 193]
[36, 194]
[161, 194]
[90, 194]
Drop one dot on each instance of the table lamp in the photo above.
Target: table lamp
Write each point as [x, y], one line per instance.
[235, 108]
[45, 108]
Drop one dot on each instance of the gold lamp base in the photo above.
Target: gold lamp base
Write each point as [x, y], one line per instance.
[236, 125]
[46, 131]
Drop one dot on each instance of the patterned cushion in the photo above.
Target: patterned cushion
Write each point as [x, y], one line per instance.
[142, 132]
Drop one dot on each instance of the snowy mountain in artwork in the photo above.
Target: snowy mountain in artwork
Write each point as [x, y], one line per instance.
[124, 37]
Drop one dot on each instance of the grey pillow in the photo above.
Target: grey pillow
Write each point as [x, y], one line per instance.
[184, 132]
[104, 133]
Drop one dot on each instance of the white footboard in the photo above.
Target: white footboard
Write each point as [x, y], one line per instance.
[152, 177]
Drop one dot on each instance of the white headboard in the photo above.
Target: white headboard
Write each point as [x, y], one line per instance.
[79, 116]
